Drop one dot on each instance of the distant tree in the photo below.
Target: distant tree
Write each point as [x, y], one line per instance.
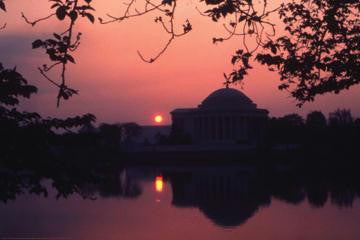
[115, 134]
[130, 130]
[340, 117]
[357, 123]
[285, 130]
[292, 120]
[88, 128]
[110, 134]
[315, 119]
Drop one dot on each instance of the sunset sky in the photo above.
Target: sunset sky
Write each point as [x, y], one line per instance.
[117, 86]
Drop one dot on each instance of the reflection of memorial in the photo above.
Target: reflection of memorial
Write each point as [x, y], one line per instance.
[230, 195]
[228, 198]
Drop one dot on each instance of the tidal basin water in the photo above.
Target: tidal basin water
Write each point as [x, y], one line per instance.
[213, 202]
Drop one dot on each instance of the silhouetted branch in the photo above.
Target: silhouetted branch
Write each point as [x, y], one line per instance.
[47, 77]
[151, 7]
[33, 23]
[59, 47]
[151, 60]
[248, 20]
[127, 13]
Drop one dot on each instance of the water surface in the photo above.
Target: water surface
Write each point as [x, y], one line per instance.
[193, 202]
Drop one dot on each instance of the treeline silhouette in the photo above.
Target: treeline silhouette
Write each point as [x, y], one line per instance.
[107, 138]
[336, 134]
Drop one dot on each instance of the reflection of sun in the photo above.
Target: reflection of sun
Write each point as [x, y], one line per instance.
[158, 118]
[159, 183]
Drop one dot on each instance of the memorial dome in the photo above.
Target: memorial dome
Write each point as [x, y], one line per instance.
[227, 98]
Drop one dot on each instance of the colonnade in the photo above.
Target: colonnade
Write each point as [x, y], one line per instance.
[223, 127]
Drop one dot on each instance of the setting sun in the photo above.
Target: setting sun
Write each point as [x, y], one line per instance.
[158, 119]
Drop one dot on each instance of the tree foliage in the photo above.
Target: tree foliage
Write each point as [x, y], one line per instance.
[61, 45]
[316, 119]
[340, 117]
[18, 127]
[320, 51]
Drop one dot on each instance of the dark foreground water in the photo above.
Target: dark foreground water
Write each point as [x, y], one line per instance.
[194, 202]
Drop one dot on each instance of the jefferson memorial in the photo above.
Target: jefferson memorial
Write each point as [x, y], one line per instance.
[226, 116]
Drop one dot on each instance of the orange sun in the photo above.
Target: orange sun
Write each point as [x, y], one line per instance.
[158, 119]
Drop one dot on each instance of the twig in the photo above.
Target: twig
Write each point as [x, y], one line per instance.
[33, 23]
[151, 7]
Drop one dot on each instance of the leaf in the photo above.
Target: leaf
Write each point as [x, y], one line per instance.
[70, 58]
[242, 18]
[2, 5]
[61, 13]
[37, 43]
[90, 17]
[57, 36]
[167, 2]
[73, 15]
[273, 49]
[213, 2]
[55, 5]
